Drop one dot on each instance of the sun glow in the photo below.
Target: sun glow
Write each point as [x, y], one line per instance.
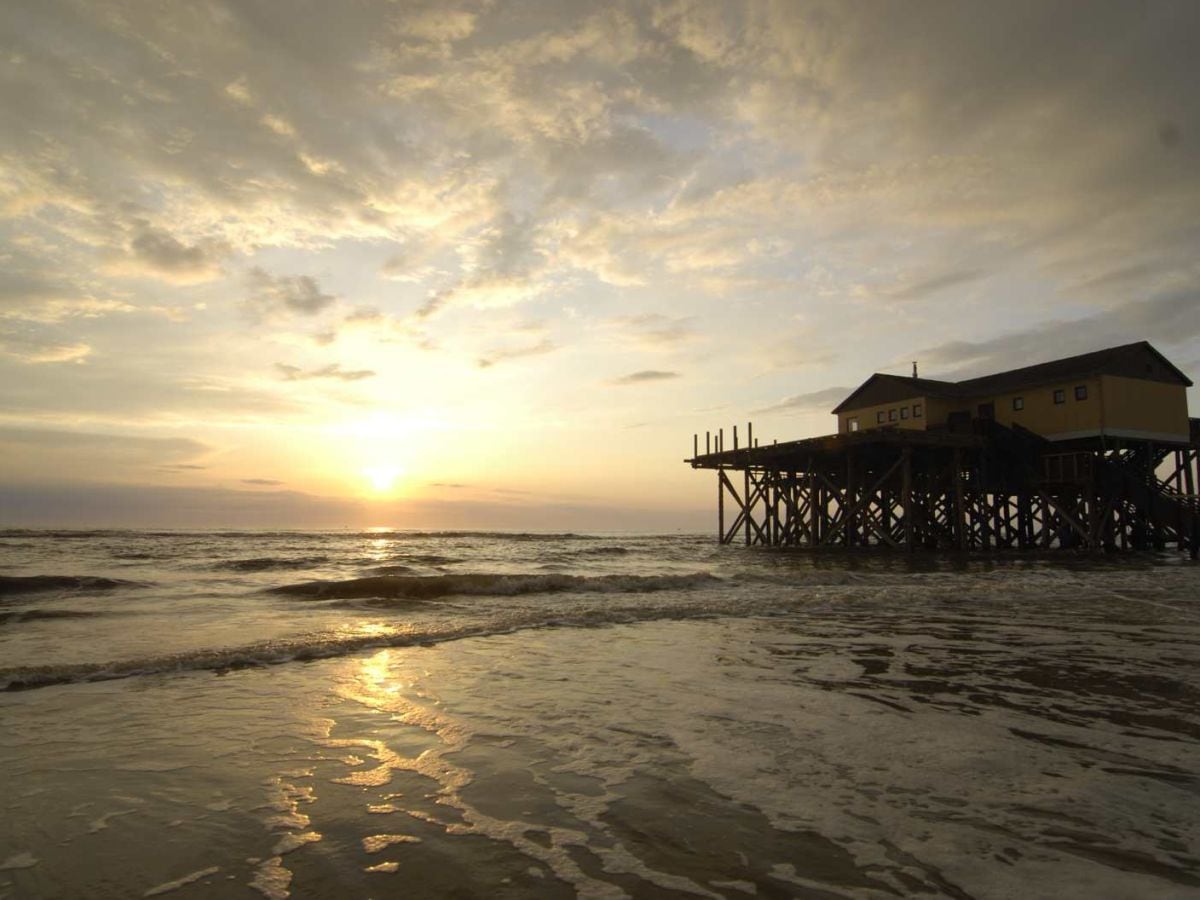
[382, 478]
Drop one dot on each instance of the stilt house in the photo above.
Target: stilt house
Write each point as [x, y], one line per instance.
[1093, 452]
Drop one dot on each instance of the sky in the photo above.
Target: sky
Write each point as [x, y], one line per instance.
[492, 264]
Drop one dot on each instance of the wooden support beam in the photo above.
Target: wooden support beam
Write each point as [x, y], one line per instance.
[959, 523]
[906, 497]
[747, 494]
[1067, 517]
[863, 501]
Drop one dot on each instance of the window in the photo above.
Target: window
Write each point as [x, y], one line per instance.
[904, 412]
[852, 424]
[1081, 392]
[1060, 396]
[1018, 404]
[879, 417]
[891, 415]
[916, 410]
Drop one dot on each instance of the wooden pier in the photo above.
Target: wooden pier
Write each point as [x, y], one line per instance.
[982, 487]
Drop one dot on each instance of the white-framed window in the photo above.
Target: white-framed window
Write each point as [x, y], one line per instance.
[1060, 396]
[1018, 404]
[891, 415]
[904, 412]
[1081, 392]
[852, 423]
[916, 410]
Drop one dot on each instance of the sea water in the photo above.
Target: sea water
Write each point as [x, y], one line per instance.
[374, 714]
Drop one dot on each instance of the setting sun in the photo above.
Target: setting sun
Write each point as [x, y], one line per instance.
[382, 478]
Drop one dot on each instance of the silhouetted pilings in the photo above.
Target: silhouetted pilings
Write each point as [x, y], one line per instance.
[994, 489]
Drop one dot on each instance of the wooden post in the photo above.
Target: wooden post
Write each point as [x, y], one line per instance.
[814, 504]
[707, 443]
[721, 440]
[695, 445]
[735, 441]
[720, 508]
[850, 504]
[959, 527]
[746, 496]
[906, 499]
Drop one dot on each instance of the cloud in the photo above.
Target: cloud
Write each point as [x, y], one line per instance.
[922, 288]
[822, 401]
[272, 295]
[155, 252]
[796, 183]
[498, 356]
[436, 24]
[262, 482]
[32, 291]
[38, 349]
[1168, 321]
[646, 375]
[657, 330]
[334, 370]
[38, 453]
[503, 266]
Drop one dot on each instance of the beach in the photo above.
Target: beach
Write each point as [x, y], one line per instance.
[329, 714]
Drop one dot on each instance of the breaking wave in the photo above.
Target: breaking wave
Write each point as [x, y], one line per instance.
[428, 587]
[392, 570]
[32, 584]
[32, 615]
[269, 563]
[313, 647]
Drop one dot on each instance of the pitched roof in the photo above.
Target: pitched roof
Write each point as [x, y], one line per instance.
[1137, 360]
[882, 388]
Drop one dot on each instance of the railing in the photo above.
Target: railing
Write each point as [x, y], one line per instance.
[1067, 468]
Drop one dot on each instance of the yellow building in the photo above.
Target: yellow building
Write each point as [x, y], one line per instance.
[1131, 392]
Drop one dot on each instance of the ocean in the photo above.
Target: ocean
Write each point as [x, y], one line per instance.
[388, 713]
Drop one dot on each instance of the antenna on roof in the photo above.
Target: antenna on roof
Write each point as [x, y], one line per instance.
[914, 368]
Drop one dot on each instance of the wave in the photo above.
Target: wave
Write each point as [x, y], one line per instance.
[418, 587]
[313, 647]
[431, 559]
[392, 570]
[31, 584]
[269, 563]
[59, 533]
[82, 533]
[32, 615]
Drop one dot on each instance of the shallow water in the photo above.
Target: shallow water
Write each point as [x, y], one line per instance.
[593, 716]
